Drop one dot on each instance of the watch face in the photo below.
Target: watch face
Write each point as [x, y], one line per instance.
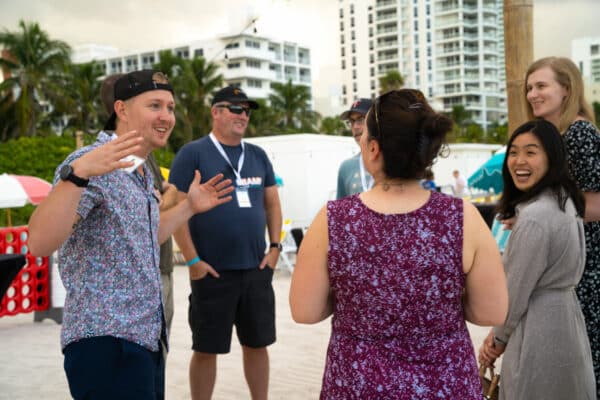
[65, 171]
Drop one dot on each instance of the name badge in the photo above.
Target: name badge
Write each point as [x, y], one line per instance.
[243, 199]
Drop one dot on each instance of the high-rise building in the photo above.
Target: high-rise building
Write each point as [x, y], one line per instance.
[585, 53]
[452, 50]
[247, 60]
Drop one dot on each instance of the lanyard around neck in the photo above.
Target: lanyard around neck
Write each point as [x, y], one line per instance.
[367, 183]
[238, 171]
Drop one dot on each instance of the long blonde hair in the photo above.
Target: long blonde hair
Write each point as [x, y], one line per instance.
[569, 77]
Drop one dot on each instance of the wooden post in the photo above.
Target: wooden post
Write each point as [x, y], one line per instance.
[518, 53]
[78, 139]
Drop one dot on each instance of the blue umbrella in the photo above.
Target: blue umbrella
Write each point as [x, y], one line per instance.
[489, 175]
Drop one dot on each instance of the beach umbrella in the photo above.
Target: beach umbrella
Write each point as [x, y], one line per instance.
[18, 190]
[489, 175]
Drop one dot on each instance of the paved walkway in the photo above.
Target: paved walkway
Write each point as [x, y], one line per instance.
[31, 361]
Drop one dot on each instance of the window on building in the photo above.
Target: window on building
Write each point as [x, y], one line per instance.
[416, 23]
[372, 85]
[344, 90]
[352, 22]
[372, 71]
[428, 22]
[417, 66]
[370, 45]
[343, 51]
[428, 37]
[595, 49]
[253, 44]
[352, 35]
[233, 45]
[342, 38]
[371, 58]
[255, 83]
[342, 26]
[343, 64]
[253, 63]
[353, 48]
[428, 9]
[351, 8]
[370, 18]
[341, 13]
[233, 65]
[198, 53]
[353, 74]
[354, 87]
[416, 12]
[353, 61]
[370, 31]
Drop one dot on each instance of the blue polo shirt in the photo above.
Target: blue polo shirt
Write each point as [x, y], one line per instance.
[228, 237]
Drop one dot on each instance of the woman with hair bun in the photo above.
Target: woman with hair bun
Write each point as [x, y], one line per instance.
[400, 268]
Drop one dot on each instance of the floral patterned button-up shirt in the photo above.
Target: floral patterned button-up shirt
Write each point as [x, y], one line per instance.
[110, 263]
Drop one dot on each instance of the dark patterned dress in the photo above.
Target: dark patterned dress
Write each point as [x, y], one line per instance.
[583, 148]
[398, 328]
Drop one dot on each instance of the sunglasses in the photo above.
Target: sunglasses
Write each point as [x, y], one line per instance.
[235, 108]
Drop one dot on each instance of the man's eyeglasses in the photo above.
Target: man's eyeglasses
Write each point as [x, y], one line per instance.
[236, 109]
[359, 121]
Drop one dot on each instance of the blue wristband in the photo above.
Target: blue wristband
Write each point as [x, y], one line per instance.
[193, 261]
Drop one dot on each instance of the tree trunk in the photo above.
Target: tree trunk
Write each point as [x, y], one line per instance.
[518, 50]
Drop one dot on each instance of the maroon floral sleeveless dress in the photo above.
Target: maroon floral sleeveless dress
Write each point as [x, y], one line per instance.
[398, 328]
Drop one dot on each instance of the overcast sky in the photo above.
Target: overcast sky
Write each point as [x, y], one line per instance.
[140, 25]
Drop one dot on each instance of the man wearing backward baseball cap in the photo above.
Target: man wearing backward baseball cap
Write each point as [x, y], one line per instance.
[102, 215]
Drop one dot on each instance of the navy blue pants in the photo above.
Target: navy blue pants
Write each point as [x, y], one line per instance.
[106, 367]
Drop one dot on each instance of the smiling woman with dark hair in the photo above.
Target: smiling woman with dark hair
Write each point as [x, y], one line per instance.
[400, 268]
[547, 352]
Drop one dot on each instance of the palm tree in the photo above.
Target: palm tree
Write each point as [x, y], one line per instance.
[30, 58]
[79, 104]
[392, 80]
[292, 103]
[192, 81]
[333, 126]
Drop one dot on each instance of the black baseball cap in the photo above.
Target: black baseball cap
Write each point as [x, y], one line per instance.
[360, 106]
[233, 94]
[133, 84]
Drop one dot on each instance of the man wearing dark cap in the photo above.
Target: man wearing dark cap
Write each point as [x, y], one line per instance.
[352, 176]
[103, 214]
[231, 267]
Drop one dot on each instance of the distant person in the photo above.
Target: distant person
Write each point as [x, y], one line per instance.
[546, 350]
[427, 181]
[352, 175]
[231, 267]
[168, 198]
[554, 92]
[103, 214]
[400, 268]
[459, 187]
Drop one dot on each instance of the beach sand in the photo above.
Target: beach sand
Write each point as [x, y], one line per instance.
[31, 360]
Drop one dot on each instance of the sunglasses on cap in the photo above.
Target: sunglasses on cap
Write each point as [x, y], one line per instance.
[236, 109]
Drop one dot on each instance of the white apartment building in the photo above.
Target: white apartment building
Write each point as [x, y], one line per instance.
[452, 50]
[585, 53]
[250, 61]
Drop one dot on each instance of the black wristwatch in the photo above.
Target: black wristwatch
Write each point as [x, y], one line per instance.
[276, 245]
[66, 174]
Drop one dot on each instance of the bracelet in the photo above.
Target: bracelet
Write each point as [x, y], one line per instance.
[193, 261]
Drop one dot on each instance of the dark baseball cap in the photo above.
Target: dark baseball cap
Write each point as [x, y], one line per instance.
[135, 83]
[360, 106]
[233, 94]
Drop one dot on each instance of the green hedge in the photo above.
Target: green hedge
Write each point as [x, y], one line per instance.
[39, 156]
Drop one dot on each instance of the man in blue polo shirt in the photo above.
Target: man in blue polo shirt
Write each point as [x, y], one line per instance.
[230, 271]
